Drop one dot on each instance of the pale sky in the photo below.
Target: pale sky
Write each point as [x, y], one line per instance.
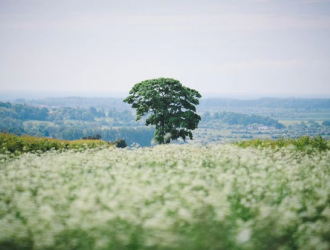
[246, 47]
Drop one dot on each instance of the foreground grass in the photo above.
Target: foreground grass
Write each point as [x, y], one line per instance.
[14, 144]
[167, 197]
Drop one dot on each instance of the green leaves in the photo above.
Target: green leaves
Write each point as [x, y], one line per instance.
[172, 107]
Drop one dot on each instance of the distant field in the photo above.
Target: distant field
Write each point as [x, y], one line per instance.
[295, 121]
[34, 122]
[175, 197]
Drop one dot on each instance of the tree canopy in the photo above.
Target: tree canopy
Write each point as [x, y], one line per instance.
[170, 106]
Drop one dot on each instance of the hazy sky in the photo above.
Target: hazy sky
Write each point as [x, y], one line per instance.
[246, 47]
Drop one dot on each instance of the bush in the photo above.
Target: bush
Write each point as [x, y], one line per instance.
[92, 137]
[121, 143]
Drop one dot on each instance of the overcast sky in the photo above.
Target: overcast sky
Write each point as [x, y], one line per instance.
[229, 47]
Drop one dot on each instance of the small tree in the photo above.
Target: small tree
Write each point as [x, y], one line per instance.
[170, 106]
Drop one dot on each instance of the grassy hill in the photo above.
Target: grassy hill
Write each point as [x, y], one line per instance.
[10, 143]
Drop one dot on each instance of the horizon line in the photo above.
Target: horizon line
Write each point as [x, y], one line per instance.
[13, 95]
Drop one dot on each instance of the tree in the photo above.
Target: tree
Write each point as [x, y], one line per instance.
[170, 106]
[326, 123]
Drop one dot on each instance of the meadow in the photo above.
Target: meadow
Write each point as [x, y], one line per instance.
[248, 197]
[15, 145]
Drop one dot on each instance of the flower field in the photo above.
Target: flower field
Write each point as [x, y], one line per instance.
[166, 197]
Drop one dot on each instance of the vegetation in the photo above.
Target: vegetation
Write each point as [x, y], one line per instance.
[119, 143]
[27, 112]
[73, 123]
[22, 144]
[304, 143]
[22, 112]
[169, 197]
[205, 104]
[114, 122]
[170, 106]
[232, 118]
[92, 137]
[287, 103]
[86, 194]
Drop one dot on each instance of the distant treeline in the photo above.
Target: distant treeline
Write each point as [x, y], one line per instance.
[205, 103]
[28, 112]
[112, 124]
[232, 118]
[14, 117]
[141, 135]
[22, 112]
[293, 103]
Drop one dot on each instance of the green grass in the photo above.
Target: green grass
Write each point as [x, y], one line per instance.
[303, 143]
[22, 144]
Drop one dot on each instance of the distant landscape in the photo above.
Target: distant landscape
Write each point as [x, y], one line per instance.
[165, 125]
[223, 120]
